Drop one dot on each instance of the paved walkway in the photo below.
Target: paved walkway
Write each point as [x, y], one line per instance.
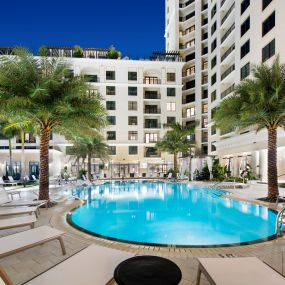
[28, 264]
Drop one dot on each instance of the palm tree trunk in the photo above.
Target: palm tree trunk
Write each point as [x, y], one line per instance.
[175, 165]
[89, 166]
[22, 154]
[272, 164]
[44, 163]
[10, 158]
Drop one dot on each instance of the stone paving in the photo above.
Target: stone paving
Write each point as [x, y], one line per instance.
[23, 266]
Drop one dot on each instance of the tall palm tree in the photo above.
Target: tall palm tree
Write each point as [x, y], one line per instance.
[90, 148]
[258, 102]
[43, 92]
[176, 140]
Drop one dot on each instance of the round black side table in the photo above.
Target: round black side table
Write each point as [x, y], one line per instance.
[147, 270]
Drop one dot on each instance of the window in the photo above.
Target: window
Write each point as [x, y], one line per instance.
[171, 77]
[268, 51]
[213, 147]
[244, 5]
[265, 3]
[213, 61]
[214, 28]
[213, 130]
[133, 120]
[214, 11]
[111, 135]
[110, 90]
[190, 112]
[213, 96]
[190, 56]
[171, 92]
[110, 75]
[91, 77]
[213, 79]
[245, 70]
[151, 138]
[213, 45]
[244, 50]
[112, 150]
[205, 108]
[245, 26]
[189, 71]
[133, 136]
[110, 105]
[132, 91]
[268, 24]
[133, 150]
[205, 122]
[111, 120]
[171, 106]
[171, 120]
[132, 106]
[132, 76]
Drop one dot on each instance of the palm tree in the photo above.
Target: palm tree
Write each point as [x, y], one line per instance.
[42, 92]
[90, 148]
[258, 102]
[176, 140]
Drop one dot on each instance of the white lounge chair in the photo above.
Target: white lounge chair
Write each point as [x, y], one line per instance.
[5, 200]
[169, 175]
[34, 178]
[27, 239]
[68, 272]
[161, 175]
[19, 211]
[18, 222]
[11, 180]
[2, 182]
[238, 271]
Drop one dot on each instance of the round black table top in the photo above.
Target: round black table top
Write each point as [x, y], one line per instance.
[147, 270]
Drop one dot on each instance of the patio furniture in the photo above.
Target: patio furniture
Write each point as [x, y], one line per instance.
[19, 211]
[238, 271]
[169, 175]
[2, 182]
[93, 265]
[147, 270]
[5, 200]
[34, 178]
[27, 239]
[17, 222]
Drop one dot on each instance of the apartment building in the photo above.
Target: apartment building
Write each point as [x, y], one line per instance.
[141, 97]
[220, 41]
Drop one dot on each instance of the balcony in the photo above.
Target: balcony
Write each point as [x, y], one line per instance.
[227, 72]
[228, 32]
[228, 13]
[228, 52]
[152, 110]
[152, 96]
[189, 16]
[148, 124]
[151, 80]
[228, 91]
[151, 152]
[183, 5]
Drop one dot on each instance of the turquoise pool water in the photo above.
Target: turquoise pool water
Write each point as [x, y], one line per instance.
[170, 214]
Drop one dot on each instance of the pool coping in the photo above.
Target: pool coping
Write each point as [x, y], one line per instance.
[81, 229]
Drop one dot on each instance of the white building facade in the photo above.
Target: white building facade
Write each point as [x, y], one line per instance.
[220, 41]
[141, 97]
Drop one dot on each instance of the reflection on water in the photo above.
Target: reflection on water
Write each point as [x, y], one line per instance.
[170, 213]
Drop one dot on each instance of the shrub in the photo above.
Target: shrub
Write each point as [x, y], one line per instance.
[43, 51]
[82, 172]
[77, 52]
[113, 53]
[218, 171]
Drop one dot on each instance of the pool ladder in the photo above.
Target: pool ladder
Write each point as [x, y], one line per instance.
[280, 222]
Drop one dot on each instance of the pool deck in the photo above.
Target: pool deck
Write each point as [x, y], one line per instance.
[25, 265]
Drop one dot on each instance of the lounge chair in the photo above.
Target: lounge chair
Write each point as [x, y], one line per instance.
[19, 211]
[11, 180]
[27, 239]
[18, 222]
[2, 182]
[5, 201]
[93, 265]
[34, 178]
[169, 175]
[238, 271]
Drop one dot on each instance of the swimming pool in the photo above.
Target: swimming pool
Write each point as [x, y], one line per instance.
[165, 213]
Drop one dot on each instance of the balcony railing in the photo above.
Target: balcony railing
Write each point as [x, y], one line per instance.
[228, 13]
[227, 91]
[223, 2]
[151, 80]
[228, 52]
[227, 72]
[189, 16]
[228, 32]
[183, 5]
[152, 126]
[152, 111]
[153, 96]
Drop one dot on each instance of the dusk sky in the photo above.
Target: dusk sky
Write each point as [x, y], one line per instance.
[134, 27]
